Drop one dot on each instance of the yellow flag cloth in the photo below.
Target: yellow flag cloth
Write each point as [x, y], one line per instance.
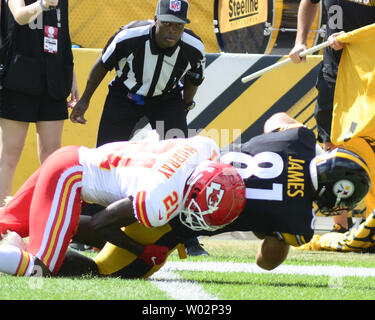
[354, 102]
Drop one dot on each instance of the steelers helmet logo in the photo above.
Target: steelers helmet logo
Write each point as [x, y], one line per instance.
[343, 189]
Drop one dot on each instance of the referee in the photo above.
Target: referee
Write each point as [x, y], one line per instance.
[152, 59]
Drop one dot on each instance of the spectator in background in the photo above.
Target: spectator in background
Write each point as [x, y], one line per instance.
[37, 80]
[151, 59]
[341, 16]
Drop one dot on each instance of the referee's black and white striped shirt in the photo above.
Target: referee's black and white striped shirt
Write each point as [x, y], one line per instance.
[147, 70]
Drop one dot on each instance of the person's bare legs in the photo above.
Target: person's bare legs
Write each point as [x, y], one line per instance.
[12, 140]
[49, 137]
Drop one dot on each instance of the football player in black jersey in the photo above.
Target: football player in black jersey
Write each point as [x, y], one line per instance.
[283, 176]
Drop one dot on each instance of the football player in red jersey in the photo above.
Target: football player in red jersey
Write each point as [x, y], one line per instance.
[146, 182]
[283, 176]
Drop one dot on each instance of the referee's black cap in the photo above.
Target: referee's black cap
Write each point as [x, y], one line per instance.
[172, 11]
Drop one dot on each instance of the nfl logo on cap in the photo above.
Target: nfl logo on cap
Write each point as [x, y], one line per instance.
[175, 5]
[172, 11]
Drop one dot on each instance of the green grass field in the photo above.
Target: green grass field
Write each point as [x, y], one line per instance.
[225, 275]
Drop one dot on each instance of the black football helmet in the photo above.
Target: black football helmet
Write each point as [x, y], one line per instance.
[341, 180]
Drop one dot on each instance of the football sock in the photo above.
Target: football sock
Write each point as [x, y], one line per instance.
[15, 261]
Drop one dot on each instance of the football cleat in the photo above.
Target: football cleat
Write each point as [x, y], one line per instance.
[214, 196]
[341, 180]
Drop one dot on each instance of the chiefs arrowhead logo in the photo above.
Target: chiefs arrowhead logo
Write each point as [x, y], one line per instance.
[214, 194]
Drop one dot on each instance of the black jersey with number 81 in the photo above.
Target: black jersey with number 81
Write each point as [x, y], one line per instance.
[275, 168]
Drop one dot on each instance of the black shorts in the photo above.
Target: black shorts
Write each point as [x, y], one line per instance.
[30, 108]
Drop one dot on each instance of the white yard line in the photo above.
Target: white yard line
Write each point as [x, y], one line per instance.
[333, 271]
[178, 288]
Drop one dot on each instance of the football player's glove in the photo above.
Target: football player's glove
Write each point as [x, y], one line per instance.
[154, 254]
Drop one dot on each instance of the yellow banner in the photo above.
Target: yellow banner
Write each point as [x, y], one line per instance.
[238, 14]
[353, 111]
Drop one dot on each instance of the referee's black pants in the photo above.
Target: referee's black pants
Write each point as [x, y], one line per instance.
[121, 115]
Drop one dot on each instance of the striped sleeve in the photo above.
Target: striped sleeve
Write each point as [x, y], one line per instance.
[120, 45]
[140, 210]
[109, 53]
[197, 56]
